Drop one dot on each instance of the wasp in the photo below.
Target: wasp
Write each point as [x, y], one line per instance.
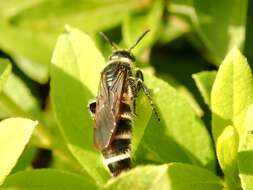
[114, 109]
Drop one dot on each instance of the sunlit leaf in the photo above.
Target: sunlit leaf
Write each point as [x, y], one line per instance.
[204, 81]
[14, 135]
[245, 156]
[174, 176]
[16, 98]
[227, 147]
[232, 93]
[75, 75]
[179, 131]
[47, 179]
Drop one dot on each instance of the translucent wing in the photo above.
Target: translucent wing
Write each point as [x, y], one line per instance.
[108, 108]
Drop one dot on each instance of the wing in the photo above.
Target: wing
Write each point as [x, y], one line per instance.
[108, 108]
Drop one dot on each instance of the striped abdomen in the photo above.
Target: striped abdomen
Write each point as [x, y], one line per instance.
[118, 155]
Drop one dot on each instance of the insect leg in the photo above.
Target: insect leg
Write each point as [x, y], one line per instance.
[134, 91]
[140, 84]
[139, 75]
[92, 107]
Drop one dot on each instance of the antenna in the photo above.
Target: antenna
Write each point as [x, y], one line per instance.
[138, 40]
[108, 40]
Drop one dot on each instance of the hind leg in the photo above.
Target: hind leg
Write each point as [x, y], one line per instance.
[141, 85]
[133, 90]
[92, 107]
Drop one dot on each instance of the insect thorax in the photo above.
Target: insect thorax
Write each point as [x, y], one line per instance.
[122, 56]
[119, 61]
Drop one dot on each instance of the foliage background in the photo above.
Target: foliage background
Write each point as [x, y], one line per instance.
[188, 41]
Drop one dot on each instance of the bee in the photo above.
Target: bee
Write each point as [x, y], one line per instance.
[114, 109]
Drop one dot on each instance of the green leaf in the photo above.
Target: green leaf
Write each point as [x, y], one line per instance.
[179, 124]
[39, 22]
[174, 176]
[204, 81]
[136, 23]
[227, 148]
[75, 78]
[16, 99]
[13, 7]
[232, 93]
[248, 49]
[246, 141]
[35, 70]
[25, 47]
[183, 90]
[14, 135]
[5, 70]
[246, 169]
[174, 28]
[245, 157]
[143, 112]
[26, 159]
[89, 15]
[210, 19]
[47, 179]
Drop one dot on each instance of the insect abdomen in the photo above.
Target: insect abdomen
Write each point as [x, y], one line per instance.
[118, 155]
